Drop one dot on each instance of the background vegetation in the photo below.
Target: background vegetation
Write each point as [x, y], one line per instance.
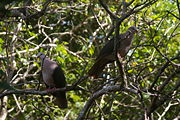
[72, 32]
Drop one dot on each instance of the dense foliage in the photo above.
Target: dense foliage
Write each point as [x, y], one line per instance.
[72, 32]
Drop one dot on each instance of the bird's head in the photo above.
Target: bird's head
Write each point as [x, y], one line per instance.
[41, 55]
[133, 29]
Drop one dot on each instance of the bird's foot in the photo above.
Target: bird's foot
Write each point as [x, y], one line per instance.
[51, 89]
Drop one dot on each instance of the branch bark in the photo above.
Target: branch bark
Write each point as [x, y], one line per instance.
[35, 92]
[99, 93]
[161, 70]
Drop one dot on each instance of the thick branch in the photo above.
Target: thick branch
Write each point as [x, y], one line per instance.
[116, 51]
[157, 101]
[99, 93]
[35, 92]
[112, 15]
[162, 70]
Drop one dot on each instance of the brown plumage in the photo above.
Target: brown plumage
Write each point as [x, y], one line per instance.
[107, 53]
[53, 77]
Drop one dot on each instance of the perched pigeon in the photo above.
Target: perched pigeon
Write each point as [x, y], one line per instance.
[107, 53]
[53, 77]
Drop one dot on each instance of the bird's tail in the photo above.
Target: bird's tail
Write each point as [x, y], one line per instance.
[60, 100]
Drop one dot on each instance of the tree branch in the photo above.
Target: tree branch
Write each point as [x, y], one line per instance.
[99, 93]
[34, 92]
[173, 15]
[177, 2]
[162, 70]
[112, 15]
[157, 101]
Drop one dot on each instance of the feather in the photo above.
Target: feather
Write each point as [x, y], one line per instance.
[53, 76]
[107, 54]
[60, 82]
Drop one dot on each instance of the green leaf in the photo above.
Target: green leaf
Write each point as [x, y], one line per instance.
[61, 49]
[130, 71]
[32, 34]
[150, 69]
[91, 50]
[1, 41]
[74, 97]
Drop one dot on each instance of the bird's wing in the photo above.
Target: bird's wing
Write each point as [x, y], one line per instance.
[98, 67]
[60, 82]
[107, 49]
[59, 78]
